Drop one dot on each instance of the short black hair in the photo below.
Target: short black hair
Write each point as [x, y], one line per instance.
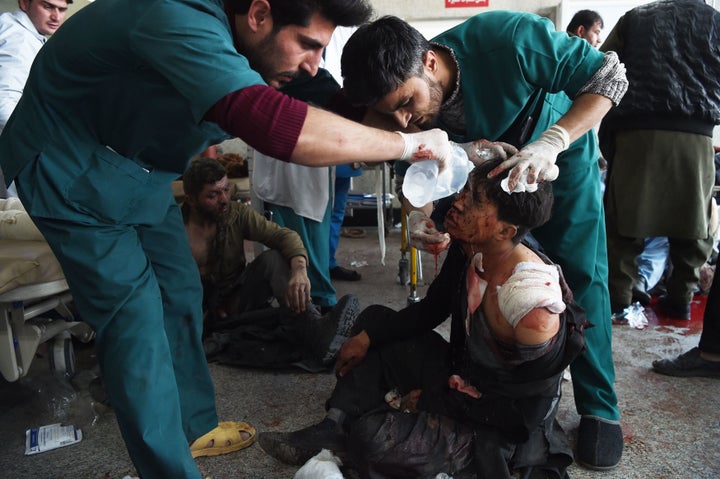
[586, 18]
[379, 57]
[524, 210]
[200, 172]
[344, 13]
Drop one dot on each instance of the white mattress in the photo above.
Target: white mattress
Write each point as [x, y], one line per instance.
[24, 262]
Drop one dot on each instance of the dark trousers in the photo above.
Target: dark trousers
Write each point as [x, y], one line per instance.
[415, 363]
[710, 337]
[389, 443]
[686, 256]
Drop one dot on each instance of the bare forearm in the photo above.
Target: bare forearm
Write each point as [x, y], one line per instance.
[298, 263]
[328, 139]
[587, 111]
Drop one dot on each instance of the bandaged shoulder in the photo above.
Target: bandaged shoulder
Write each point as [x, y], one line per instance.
[609, 81]
[531, 285]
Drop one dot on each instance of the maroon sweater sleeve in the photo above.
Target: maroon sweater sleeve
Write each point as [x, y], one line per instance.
[264, 118]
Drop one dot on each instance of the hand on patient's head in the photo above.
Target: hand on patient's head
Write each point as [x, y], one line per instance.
[480, 151]
[535, 162]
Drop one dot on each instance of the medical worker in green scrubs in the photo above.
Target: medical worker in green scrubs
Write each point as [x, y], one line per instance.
[117, 102]
[480, 80]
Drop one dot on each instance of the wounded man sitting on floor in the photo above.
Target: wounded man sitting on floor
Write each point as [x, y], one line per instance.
[407, 403]
[257, 313]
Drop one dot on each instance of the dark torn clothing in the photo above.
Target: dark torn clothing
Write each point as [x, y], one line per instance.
[510, 428]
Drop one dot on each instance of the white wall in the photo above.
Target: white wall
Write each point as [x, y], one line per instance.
[425, 10]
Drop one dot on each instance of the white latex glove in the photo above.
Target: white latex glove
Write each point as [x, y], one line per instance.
[536, 161]
[480, 151]
[424, 235]
[426, 145]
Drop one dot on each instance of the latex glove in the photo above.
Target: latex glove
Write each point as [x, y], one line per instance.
[536, 161]
[426, 145]
[424, 235]
[480, 151]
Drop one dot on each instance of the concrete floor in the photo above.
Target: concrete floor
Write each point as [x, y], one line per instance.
[671, 425]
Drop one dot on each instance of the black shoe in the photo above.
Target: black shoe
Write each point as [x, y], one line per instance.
[296, 448]
[344, 274]
[671, 308]
[599, 443]
[689, 364]
[97, 391]
[640, 294]
[325, 334]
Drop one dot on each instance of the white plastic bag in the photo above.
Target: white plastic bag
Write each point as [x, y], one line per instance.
[324, 465]
[635, 315]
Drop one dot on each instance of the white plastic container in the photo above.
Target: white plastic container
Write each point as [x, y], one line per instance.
[422, 184]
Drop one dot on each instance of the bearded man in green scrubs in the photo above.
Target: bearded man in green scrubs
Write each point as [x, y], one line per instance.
[508, 76]
[117, 102]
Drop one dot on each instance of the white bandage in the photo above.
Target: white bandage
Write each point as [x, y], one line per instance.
[532, 285]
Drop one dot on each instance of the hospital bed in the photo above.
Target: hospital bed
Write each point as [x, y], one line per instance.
[35, 302]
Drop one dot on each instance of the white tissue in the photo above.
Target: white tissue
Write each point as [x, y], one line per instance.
[521, 186]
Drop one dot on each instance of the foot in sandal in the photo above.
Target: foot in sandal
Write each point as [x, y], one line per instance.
[227, 437]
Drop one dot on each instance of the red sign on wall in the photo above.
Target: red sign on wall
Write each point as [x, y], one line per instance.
[466, 3]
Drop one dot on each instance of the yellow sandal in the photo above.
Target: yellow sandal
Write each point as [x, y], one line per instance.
[226, 437]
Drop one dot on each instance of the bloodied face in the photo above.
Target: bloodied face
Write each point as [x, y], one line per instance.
[473, 218]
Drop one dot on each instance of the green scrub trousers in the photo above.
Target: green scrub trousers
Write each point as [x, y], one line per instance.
[315, 236]
[137, 286]
[575, 239]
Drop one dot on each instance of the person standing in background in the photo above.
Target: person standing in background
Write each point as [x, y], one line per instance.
[343, 173]
[703, 360]
[586, 24]
[658, 143]
[22, 34]
[301, 197]
[343, 180]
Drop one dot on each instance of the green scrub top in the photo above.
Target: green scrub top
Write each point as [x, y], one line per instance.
[504, 58]
[126, 79]
[523, 53]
